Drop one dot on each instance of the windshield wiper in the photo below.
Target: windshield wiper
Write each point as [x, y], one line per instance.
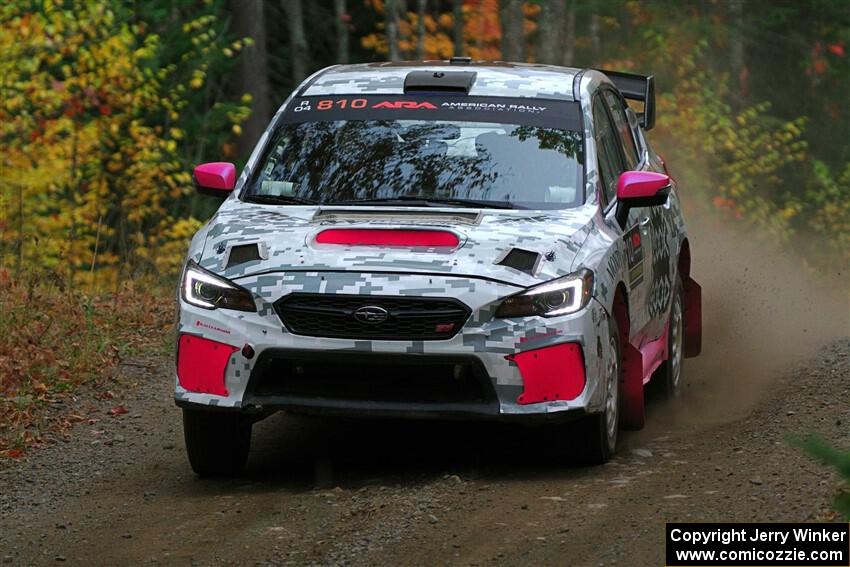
[278, 199]
[412, 200]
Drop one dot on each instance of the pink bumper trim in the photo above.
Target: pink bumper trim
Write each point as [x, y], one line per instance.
[201, 364]
[550, 373]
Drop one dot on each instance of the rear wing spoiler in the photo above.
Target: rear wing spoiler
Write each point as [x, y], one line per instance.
[636, 87]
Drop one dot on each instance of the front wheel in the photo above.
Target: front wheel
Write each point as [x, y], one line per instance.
[217, 443]
[596, 434]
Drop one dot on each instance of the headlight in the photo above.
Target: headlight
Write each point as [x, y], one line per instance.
[564, 295]
[207, 290]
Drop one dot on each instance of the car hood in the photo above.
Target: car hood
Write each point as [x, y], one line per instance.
[245, 239]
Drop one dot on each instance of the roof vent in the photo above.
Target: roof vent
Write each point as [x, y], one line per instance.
[458, 82]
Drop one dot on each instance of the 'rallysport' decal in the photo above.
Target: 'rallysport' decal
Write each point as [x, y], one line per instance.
[538, 112]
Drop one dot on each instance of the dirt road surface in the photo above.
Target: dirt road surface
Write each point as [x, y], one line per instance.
[119, 491]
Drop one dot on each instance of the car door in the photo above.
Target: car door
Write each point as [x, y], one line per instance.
[612, 162]
[654, 222]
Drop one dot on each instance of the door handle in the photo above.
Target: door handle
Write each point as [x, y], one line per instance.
[644, 221]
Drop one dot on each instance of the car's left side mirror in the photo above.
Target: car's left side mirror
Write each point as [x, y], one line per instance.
[216, 178]
[640, 189]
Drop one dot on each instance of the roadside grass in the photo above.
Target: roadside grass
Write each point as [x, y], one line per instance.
[831, 456]
[56, 339]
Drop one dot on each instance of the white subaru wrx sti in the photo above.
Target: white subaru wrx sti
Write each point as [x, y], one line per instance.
[443, 239]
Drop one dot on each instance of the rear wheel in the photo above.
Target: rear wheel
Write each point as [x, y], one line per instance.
[667, 378]
[596, 435]
[217, 443]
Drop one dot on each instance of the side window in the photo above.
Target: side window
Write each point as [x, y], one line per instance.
[615, 105]
[608, 149]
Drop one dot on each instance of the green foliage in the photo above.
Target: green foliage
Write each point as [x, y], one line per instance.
[826, 202]
[742, 157]
[738, 152]
[840, 460]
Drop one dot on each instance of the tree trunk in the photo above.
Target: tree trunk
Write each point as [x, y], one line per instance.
[551, 30]
[342, 19]
[570, 36]
[299, 50]
[420, 29]
[251, 75]
[736, 45]
[512, 21]
[595, 54]
[391, 9]
[458, 28]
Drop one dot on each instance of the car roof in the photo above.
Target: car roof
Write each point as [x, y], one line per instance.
[493, 78]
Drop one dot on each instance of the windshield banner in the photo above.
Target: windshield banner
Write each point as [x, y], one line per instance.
[560, 114]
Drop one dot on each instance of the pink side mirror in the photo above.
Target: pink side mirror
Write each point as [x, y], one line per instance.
[641, 185]
[640, 189]
[216, 178]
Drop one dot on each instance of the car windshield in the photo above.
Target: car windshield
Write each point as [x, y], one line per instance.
[351, 161]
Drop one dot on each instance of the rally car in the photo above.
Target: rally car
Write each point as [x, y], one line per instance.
[450, 239]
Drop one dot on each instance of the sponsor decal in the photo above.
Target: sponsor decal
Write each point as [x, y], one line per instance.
[614, 263]
[546, 335]
[211, 327]
[565, 115]
[494, 107]
[662, 275]
[634, 256]
[405, 104]
[361, 103]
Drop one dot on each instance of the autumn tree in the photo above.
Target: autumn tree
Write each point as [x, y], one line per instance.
[457, 27]
[299, 52]
[92, 148]
[342, 21]
[512, 19]
[251, 76]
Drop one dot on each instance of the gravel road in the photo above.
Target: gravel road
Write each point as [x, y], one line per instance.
[118, 490]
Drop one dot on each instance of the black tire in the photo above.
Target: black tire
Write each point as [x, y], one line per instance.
[217, 443]
[596, 434]
[666, 381]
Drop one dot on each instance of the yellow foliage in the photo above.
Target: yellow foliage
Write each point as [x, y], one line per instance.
[88, 178]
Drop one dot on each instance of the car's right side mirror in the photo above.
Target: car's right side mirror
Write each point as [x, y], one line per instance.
[640, 189]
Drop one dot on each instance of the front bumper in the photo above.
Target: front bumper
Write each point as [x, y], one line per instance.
[478, 373]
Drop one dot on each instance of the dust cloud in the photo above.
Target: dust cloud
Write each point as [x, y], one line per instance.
[764, 313]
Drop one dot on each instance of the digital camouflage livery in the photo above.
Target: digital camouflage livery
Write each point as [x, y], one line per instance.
[440, 239]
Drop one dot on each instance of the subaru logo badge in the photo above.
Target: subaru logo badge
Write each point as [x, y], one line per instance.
[371, 314]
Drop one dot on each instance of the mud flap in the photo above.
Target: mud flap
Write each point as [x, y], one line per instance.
[631, 399]
[692, 317]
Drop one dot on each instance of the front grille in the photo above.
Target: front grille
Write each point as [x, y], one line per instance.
[406, 318]
[378, 378]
